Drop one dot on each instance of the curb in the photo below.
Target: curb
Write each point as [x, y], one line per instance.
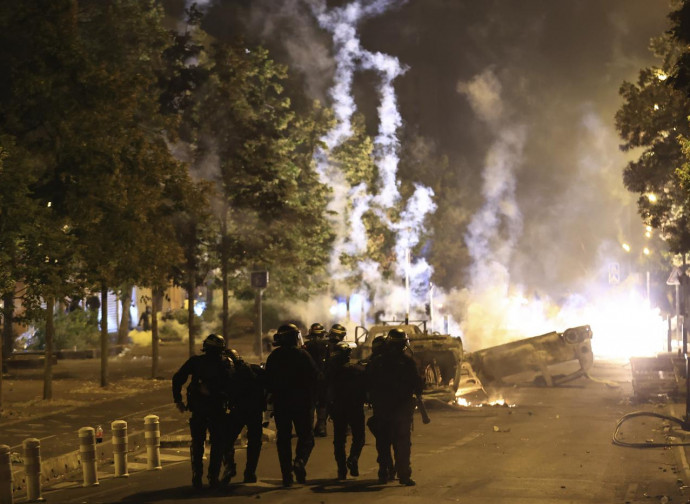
[184, 440]
[54, 469]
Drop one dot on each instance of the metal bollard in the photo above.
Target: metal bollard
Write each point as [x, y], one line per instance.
[32, 468]
[6, 478]
[87, 454]
[152, 433]
[119, 428]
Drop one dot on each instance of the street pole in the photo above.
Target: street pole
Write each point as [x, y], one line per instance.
[431, 307]
[678, 313]
[686, 421]
[259, 325]
[259, 281]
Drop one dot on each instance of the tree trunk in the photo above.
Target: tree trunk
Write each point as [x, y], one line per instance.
[48, 363]
[123, 330]
[104, 336]
[190, 315]
[155, 302]
[224, 244]
[7, 336]
[8, 320]
[2, 365]
[224, 288]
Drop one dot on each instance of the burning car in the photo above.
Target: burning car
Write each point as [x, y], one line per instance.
[535, 354]
[438, 356]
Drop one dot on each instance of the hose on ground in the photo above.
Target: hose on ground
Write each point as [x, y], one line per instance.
[634, 414]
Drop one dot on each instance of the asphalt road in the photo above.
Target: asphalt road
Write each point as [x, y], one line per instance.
[553, 446]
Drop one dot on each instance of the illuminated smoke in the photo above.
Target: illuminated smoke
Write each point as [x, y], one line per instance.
[494, 230]
[342, 23]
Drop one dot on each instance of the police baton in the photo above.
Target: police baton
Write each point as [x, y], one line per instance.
[422, 410]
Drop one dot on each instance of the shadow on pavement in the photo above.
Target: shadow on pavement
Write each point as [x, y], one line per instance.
[186, 492]
[335, 486]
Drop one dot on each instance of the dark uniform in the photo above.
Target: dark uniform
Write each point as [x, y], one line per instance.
[317, 346]
[207, 396]
[393, 382]
[346, 394]
[291, 378]
[336, 334]
[247, 404]
[384, 453]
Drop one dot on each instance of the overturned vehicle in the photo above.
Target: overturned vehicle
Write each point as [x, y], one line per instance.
[438, 356]
[536, 354]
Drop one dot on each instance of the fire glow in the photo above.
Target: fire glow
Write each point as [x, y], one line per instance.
[622, 321]
[462, 401]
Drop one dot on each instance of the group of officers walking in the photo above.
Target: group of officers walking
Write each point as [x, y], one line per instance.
[304, 385]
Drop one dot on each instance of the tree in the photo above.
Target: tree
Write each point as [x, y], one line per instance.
[181, 74]
[680, 82]
[82, 96]
[654, 118]
[39, 54]
[270, 205]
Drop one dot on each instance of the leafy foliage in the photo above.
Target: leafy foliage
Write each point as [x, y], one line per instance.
[76, 329]
[654, 118]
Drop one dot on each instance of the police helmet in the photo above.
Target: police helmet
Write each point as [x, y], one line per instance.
[378, 344]
[288, 335]
[397, 338]
[234, 355]
[316, 331]
[213, 343]
[337, 333]
[342, 351]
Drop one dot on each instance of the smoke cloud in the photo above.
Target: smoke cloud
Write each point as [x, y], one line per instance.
[521, 101]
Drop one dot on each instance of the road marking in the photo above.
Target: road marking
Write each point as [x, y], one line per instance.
[21, 446]
[631, 492]
[460, 442]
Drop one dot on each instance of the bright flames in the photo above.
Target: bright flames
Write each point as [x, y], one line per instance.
[461, 401]
[623, 324]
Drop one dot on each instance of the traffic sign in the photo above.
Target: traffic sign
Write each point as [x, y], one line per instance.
[675, 276]
[614, 273]
[259, 279]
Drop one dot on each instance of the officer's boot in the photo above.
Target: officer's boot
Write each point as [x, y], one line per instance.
[197, 468]
[196, 480]
[300, 470]
[383, 474]
[229, 472]
[342, 472]
[353, 466]
[252, 462]
[342, 467]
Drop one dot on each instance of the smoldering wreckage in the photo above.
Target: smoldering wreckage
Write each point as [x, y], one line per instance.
[445, 366]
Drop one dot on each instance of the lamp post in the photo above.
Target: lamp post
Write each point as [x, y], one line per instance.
[259, 281]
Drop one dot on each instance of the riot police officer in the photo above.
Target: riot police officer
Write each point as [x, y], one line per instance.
[291, 378]
[346, 395]
[336, 334]
[207, 395]
[384, 455]
[247, 404]
[317, 347]
[393, 382]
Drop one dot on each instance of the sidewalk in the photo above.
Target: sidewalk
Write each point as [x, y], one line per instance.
[79, 401]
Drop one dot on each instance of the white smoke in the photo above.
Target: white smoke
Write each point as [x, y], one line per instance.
[493, 232]
[342, 23]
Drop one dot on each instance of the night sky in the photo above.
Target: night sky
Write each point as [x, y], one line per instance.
[545, 73]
